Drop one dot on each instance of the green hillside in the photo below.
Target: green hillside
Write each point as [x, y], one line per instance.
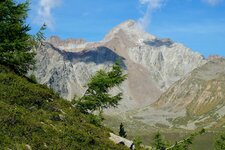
[31, 115]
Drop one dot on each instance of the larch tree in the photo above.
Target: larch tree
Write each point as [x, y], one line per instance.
[97, 96]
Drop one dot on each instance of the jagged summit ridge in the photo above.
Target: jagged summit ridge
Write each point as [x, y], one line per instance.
[131, 29]
[66, 44]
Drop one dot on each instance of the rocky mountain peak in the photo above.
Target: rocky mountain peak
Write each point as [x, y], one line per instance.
[128, 29]
[67, 44]
[127, 24]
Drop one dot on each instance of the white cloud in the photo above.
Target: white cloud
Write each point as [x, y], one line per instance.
[152, 5]
[213, 2]
[44, 12]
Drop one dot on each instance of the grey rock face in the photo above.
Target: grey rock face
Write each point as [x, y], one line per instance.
[152, 64]
[68, 72]
[167, 61]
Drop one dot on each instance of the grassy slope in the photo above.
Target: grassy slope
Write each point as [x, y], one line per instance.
[33, 114]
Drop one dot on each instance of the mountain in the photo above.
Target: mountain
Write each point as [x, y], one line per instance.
[196, 100]
[152, 64]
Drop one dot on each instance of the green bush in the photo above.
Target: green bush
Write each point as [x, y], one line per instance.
[220, 142]
[96, 120]
[32, 78]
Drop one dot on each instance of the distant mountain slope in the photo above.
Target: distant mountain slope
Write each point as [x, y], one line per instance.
[34, 117]
[197, 100]
[152, 64]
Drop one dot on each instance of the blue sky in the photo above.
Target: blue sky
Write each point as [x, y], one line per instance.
[198, 24]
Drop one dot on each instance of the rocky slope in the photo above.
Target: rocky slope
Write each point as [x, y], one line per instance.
[152, 64]
[197, 100]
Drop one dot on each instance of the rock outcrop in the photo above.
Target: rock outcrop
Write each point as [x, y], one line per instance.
[120, 140]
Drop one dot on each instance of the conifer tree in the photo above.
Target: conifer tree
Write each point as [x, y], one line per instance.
[15, 42]
[97, 96]
[220, 143]
[122, 131]
[159, 144]
[39, 37]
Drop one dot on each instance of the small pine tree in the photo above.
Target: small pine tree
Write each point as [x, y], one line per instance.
[39, 37]
[122, 132]
[159, 144]
[15, 42]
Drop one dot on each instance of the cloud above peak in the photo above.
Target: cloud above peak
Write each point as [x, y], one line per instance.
[213, 2]
[152, 5]
[44, 12]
